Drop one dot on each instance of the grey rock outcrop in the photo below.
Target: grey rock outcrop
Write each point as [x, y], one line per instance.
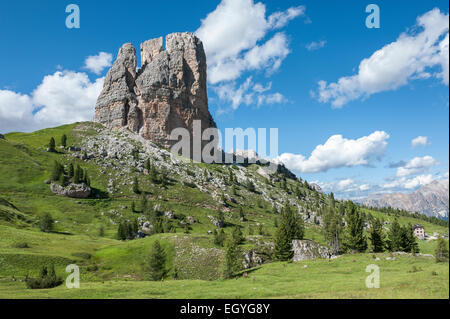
[71, 190]
[308, 249]
[167, 92]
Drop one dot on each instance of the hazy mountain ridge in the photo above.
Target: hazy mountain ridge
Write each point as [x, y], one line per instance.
[431, 199]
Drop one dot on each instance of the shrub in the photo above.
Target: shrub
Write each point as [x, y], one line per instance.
[47, 223]
[21, 245]
[47, 279]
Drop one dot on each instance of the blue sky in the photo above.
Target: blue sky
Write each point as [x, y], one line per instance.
[360, 129]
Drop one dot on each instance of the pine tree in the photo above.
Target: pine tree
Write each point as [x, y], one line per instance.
[135, 186]
[233, 259]
[354, 235]
[250, 186]
[377, 236]
[283, 244]
[52, 145]
[121, 232]
[101, 231]
[147, 165]
[236, 235]
[234, 190]
[441, 252]
[395, 237]
[47, 223]
[64, 140]
[77, 175]
[71, 170]
[290, 228]
[410, 244]
[153, 174]
[157, 261]
[219, 237]
[57, 170]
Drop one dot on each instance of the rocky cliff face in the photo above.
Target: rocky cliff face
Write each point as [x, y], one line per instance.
[167, 92]
[431, 199]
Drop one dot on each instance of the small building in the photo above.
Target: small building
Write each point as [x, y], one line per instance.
[419, 231]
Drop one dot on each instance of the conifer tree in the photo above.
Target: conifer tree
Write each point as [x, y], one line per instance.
[77, 175]
[377, 236]
[52, 145]
[101, 231]
[219, 237]
[64, 140]
[233, 259]
[291, 227]
[47, 223]
[153, 174]
[57, 170]
[395, 237]
[121, 232]
[71, 170]
[354, 235]
[441, 252]
[157, 261]
[135, 186]
[236, 235]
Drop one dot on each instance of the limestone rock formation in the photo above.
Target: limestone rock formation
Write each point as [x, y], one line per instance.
[71, 190]
[167, 92]
[308, 249]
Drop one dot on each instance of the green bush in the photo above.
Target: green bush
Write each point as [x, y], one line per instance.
[47, 279]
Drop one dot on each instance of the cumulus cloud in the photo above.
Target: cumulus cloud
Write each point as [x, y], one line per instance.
[248, 93]
[97, 63]
[237, 39]
[63, 97]
[15, 112]
[419, 140]
[315, 45]
[416, 165]
[410, 183]
[339, 152]
[413, 55]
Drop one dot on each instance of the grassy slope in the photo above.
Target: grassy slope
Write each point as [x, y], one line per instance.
[24, 165]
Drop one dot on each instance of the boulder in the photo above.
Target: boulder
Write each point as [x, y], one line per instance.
[71, 190]
[308, 249]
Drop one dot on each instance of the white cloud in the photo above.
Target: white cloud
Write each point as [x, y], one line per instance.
[410, 183]
[419, 140]
[63, 97]
[339, 152]
[396, 63]
[248, 93]
[236, 38]
[315, 45]
[278, 20]
[97, 63]
[416, 165]
[15, 112]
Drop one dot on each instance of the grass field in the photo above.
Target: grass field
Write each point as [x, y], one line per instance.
[344, 277]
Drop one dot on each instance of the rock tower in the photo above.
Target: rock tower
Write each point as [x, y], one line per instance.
[167, 92]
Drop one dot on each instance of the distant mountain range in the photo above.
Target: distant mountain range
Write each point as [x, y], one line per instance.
[431, 200]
